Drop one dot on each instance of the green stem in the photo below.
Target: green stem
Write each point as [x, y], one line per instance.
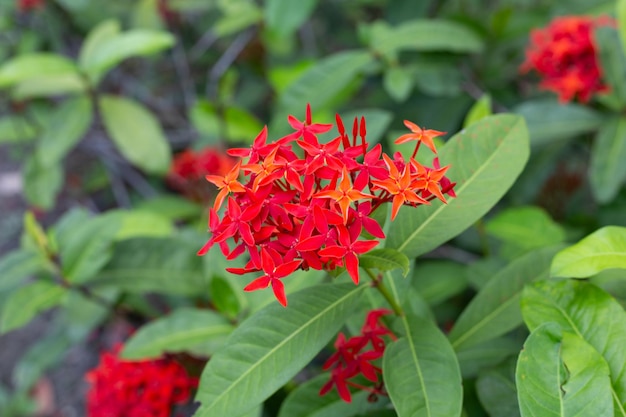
[378, 284]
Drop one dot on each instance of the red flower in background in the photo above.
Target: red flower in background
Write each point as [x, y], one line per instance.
[28, 5]
[565, 55]
[299, 212]
[122, 388]
[189, 169]
[352, 357]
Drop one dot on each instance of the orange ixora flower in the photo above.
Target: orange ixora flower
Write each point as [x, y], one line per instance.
[565, 55]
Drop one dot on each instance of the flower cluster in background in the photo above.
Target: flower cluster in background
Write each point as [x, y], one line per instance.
[353, 357]
[565, 56]
[27, 5]
[144, 388]
[189, 168]
[306, 206]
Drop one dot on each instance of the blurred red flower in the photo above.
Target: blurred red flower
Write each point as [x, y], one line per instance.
[565, 55]
[121, 388]
[27, 5]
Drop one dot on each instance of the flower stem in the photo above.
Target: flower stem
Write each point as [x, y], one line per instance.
[378, 284]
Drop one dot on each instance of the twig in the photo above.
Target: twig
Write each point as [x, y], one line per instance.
[203, 44]
[225, 61]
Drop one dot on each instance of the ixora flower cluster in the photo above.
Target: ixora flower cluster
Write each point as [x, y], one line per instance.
[137, 388]
[309, 211]
[352, 358]
[565, 55]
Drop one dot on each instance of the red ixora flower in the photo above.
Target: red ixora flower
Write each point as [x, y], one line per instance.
[353, 358]
[289, 212]
[565, 56]
[121, 388]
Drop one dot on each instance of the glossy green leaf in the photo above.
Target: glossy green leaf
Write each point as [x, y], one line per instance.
[612, 61]
[495, 309]
[526, 227]
[480, 110]
[286, 16]
[549, 121]
[321, 83]
[558, 374]
[163, 265]
[184, 330]
[485, 159]
[107, 48]
[385, 260]
[590, 313]
[15, 129]
[136, 133]
[66, 126]
[26, 302]
[421, 373]
[438, 280]
[41, 183]
[497, 392]
[17, 265]
[424, 35]
[306, 401]
[37, 65]
[398, 83]
[607, 172]
[603, 249]
[272, 346]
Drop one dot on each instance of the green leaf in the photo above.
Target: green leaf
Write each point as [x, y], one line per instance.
[163, 265]
[496, 390]
[223, 297]
[398, 83]
[106, 48]
[385, 260]
[549, 121]
[17, 265]
[590, 313]
[613, 61]
[272, 346]
[436, 281]
[620, 13]
[421, 373]
[603, 249]
[171, 207]
[306, 401]
[438, 78]
[286, 16]
[495, 309]
[37, 65]
[235, 124]
[527, 227]
[15, 129]
[26, 302]
[424, 35]
[485, 159]
[96, 39]
[65, 128]
[141, 223]
[41, 183]
[49, 86]
[321, 83]
[186, 329]
[136, 133]
[558, 374]
[487, 354]
[480, 110]
[607, 172]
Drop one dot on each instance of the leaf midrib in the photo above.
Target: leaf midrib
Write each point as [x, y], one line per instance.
[281, 344]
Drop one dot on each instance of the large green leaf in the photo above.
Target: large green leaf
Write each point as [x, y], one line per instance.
[485, 159]
[306, 401]
[590, 313]
[424, 35]
[549, 120]
[436, 281]
[487, 354]
[26, 302]
[17, 265]
[95, 40]
[164, 265]
[107, 48]
[559, 374]
[65, 128]
[41, 183]
[16, 129]
[285, 16]
[496, 390]
[612, 60]
[607, 172]
[186, 329]
[603, 249]
[37, 65]
[422, 375]
[271, 347]
[495, 309]
[49, 86]
[137, 133]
